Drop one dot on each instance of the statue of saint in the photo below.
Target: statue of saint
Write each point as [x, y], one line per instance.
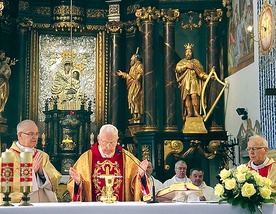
[190, 76]
[5, 73]
[133, 82]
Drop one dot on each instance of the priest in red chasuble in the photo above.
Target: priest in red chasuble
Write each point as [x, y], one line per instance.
[107, 158]
[257, 148]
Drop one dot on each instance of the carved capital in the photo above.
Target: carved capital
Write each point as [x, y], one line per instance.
[170, 15]
[25, 23]
[130, 28]
[114, 26]
[212, 17]
[148, 14]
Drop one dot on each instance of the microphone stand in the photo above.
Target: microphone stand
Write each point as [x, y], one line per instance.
[153, 198]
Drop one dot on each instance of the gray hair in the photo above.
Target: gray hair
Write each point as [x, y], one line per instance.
[178, 162]
[22, 124]
[259, 138]
[108, 129]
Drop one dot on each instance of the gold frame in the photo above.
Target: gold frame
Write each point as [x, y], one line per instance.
[100, 77]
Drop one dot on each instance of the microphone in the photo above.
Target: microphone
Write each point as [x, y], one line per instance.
[153, 199]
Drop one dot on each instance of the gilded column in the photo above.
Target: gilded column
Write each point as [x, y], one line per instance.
[146, 18]
[114, 114]
[212, 18]
[169, 17]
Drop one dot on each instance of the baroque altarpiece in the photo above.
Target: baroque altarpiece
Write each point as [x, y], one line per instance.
[70, 85]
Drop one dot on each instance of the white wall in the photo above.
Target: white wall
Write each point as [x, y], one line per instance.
[242, 91]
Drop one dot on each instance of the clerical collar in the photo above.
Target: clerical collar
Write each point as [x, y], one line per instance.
[24, 148]
[256, 167]
[181, 179]
[103, 154]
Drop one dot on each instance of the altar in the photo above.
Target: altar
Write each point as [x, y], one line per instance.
[132, 207]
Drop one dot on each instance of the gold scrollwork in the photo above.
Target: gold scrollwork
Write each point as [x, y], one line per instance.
[96, 13]
[159, 154]
[212, 17]
[132, 8]
[212, 151]
[228, 5]
[25, 23]
[130, 28]
[191, 15]
[23, 6]
[170, 15]
[171, 146]
[146, 152]
[114, 26]
[194, 144]
[146, 15]
[45, 11]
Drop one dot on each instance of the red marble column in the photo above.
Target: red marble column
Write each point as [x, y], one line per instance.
[146, 20]
[169, 17]
[114, 114]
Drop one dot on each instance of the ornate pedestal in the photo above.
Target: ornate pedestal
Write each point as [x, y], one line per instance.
[67, 136]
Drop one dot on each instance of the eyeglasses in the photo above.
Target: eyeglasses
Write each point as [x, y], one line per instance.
[32, 134]
[181, 168]
[109, 143]
[254, 148]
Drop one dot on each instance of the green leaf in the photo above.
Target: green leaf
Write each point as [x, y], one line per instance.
[252, 208]
[244, 204]
[230, 200]
[271, 200]
[236, 201]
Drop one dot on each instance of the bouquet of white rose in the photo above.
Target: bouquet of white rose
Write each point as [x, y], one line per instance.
[241, 186]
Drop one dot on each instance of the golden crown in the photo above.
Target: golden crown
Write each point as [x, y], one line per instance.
[79, 67]
[189, 46]
[68, 55]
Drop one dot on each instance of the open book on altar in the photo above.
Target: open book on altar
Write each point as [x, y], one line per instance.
[174, 192]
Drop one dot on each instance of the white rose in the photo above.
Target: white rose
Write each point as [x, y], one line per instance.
[240, 177]
[265, 192]
[224, 174]
[248, 190]
[219, 190]
[242, 168]
[230, 183]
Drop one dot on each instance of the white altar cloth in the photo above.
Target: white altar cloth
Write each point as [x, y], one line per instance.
[131, 208]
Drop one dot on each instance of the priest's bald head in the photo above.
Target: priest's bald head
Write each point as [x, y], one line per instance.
[108, 139]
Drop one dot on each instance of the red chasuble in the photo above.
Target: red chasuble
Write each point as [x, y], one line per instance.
[105, 167]
[265, 170]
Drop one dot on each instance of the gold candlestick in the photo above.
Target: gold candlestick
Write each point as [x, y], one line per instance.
[26, 166]
[6, 177]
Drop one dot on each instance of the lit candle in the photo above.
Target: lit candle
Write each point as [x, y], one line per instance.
[26, 166]
[6, 172]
